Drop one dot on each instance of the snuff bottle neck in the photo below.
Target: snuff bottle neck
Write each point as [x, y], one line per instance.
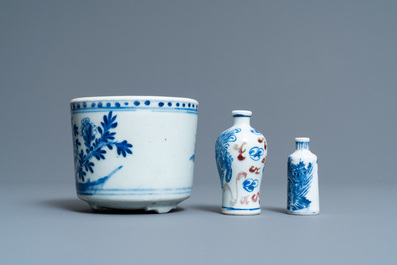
[241, 117]
[302, 143]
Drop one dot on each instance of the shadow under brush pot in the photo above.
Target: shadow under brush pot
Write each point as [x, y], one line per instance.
[134, 152]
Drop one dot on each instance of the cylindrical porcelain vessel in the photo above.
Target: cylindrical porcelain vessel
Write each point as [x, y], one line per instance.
[134, 152]
[241, 154]
[303, 197]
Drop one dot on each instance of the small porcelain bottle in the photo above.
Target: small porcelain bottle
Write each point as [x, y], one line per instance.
[303, 198]
[241, 153]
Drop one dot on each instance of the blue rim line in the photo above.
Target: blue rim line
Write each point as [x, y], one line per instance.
[175, 110]
[128, 190]
[240, 115]
[99, 193]
[132, 192]
[239, 209]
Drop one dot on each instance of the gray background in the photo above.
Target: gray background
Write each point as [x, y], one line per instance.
[323, 69]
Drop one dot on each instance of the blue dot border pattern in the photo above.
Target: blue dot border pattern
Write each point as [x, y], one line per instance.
[135, 104]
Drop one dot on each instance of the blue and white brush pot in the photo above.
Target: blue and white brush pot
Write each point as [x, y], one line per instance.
[241, 153]
[303, 195]
[134, 152]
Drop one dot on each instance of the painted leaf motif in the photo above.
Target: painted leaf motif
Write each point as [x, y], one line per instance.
[123, 148]
[95, 146]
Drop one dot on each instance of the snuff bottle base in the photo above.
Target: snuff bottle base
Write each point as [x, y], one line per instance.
[241, 212]
[303, 214]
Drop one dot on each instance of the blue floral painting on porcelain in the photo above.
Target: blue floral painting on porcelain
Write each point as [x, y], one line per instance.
[97, 141]
[303, 195]
[241, 153]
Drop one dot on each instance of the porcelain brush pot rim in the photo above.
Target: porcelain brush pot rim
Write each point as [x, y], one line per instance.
[165, 98]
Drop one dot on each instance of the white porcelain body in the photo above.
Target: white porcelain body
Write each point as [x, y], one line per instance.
[303, 194]
[146, 160]
[241, 154]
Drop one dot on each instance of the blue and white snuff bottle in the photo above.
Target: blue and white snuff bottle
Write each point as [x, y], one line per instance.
[241, 153]
[303, 195]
